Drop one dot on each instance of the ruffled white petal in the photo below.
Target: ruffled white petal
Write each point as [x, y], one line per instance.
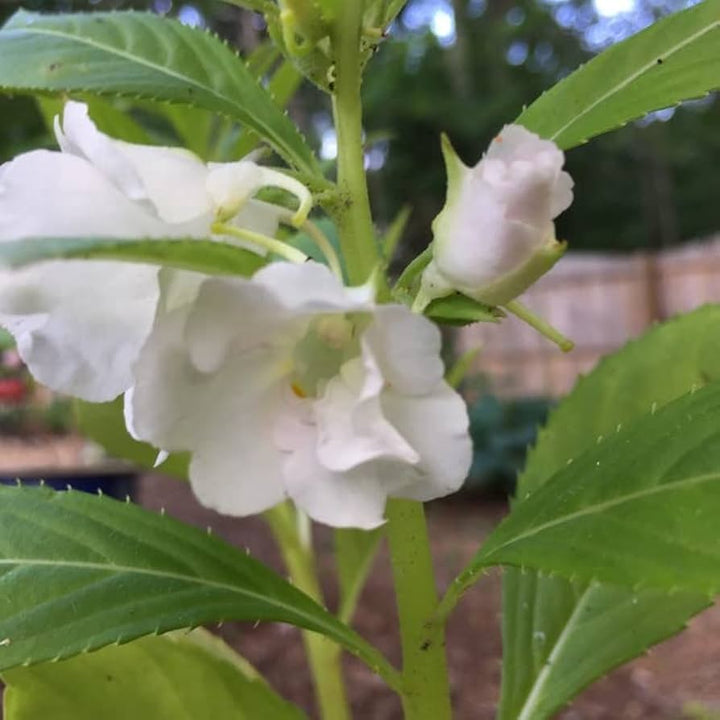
[171, 181]
[224, 418]
[77, 135]
[174, 180]
[341, 499]
[236, 314]
[309, 288]
[479, 243]
[52, 194]
[407, 349]
[436, 425]
[351, 428]
[79, 326]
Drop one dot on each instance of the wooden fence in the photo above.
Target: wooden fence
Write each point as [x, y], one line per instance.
[599, 301]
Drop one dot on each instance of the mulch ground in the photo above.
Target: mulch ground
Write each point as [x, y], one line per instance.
[660, 686]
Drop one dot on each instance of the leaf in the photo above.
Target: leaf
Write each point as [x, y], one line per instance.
[675, 59]
[461, 310]
[559, 636]
[394, 233]
[133, 681]
[282, 86]
[146, 56]
[196, 128]
[104, 424]
[355, 551]
[206, 256]
[550, 624]
[638, 509]
[79, 572]
[7, 341]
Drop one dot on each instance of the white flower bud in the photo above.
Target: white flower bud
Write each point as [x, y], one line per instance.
[496, 236]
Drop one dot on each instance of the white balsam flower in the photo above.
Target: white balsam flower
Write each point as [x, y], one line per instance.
[290, 385]
[79, 325]
[496, 236]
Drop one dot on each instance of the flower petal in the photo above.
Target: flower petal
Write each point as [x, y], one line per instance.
[174, 181]
[351, 427]
[51, 194]
[309, 288]
[479, 243]
[350, 499]
[407, 349]
[224, 418]
[495, 235]
[79, 326]
[436, 425]
[171, 180]
[235, 313]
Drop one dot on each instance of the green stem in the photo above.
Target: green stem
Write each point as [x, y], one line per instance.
[323, 654]
[426, 693]
[352, 210]
[262, 241]
[542, 326]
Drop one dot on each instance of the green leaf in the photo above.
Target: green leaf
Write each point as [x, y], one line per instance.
[461, 310]
[551, 626]
[7, 341]
[104, 423]
[639, 509]
[262, 58]
[282, 86]
[80, 572]
[355, 551]
[206, 256]
[559, 636]
[394, 233]
[146, 56]
[132, 681]
[676, 59]
[196, 128]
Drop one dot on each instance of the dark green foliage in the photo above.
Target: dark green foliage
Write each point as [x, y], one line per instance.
[501, 433]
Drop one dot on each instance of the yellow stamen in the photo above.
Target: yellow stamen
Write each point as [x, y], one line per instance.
[298, 390]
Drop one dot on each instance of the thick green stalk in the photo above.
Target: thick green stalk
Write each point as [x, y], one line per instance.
[426, 694]
[323, 655]
[352, 210]
[425, 689]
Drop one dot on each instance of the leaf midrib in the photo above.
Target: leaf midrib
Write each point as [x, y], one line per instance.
[631, 78]
[533, 697]
[601, 507]
[111, 567]
[217, 94]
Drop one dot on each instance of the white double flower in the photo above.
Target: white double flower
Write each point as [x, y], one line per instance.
[291, 385]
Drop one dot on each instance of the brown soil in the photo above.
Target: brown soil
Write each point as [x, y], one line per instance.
[681, 671]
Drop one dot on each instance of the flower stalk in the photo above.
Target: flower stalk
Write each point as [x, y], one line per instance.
[323, 654]
[352, 211]
[426, 690]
